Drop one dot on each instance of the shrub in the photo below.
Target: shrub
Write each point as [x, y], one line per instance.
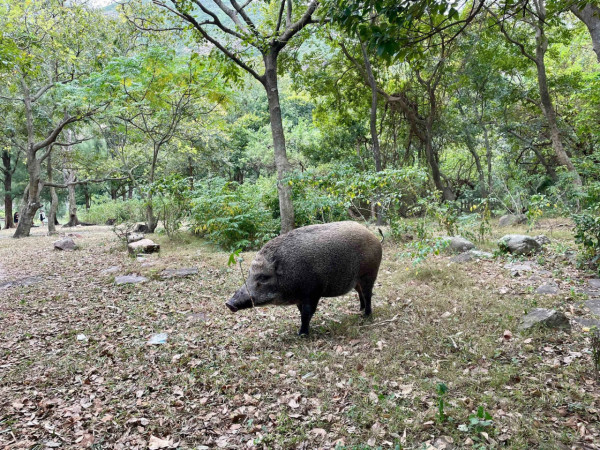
[235, 216]
[172, 199]
[587, 235]
[104, 208]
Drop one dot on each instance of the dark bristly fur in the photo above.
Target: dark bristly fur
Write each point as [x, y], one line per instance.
[300, 267]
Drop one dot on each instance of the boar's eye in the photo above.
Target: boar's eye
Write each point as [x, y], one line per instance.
[263, 278]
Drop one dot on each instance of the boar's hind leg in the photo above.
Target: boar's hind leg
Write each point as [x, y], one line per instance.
[365, 292]
[306, 312]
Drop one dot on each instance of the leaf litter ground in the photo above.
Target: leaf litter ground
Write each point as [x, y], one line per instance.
[76, 369]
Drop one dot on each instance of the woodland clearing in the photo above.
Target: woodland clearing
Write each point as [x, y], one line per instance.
[76, 369]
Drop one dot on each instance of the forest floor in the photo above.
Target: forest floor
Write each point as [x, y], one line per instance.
[76, 368]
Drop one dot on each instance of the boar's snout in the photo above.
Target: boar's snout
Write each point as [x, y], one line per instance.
[231, 306]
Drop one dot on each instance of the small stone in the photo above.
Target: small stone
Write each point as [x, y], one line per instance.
[595, 283]
[130, 279]
[481, 255]
[547, 289]
[27, 281]
[111, 269]
[179, 273]
[587, 323]
[462, 258]
[143, 246]
[458, 244]
[594, 306]
[82, 337]
[134, 237]
[542, 239]
[518, 244]
[64, 244]
[510, 220]
[546, 317]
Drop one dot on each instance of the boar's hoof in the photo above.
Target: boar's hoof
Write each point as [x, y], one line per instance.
[231, 307]
[303, 333]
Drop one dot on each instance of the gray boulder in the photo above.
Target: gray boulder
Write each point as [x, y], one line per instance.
[179, 273]
[462, 258]
[547, 289]
[542, 239]
[141, 228]
[130, 279]
[143, 246]
[594, 306]
[134, 237]
[458, 244]
[510, 220]
[65, 244]
[545, 317]
[519, 244]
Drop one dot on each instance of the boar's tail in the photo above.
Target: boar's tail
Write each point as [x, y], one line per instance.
[382, 236]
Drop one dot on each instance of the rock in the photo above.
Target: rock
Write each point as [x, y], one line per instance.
[510, 220]
[179, 273]
[458, 244]
[134, 237]
[542, 239]
[462, 258]
[587, 323]
[141, 228]
[518, 244]
[65, 244]
[547, 289]
[111, 269]
[546, 317]
[82, 337]
[158, 339]
[481, 255]
[143, 246]
[27, 281]
[595, 283]
[594, 306]
[130, 279]
[517, 270]
[111, 221]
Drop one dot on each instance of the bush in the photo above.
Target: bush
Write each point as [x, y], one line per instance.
[587, 235]
[235, 216]
[172, 199]
[104, 208]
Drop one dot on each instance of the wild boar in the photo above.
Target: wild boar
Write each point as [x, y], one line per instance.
[300, 267]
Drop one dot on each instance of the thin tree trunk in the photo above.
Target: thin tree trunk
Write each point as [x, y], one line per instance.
[54, 199]
[373, 126]
[31, 197]
[548, 107]
[70, 178]
[590, 16]
[282, 164]
[488, 156]
[8, 201]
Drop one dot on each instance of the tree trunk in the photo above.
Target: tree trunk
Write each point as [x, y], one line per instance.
[8, 203]
[151, 220]
[282, 164]
[130, 191]
[31, 196]
[590, 16]
[548, 107]
[373, 126]
[70, 178]
[86, 192]
[488, 156]
[54, 199]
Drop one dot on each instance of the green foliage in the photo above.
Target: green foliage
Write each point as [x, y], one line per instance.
[441, 390]
[587, 235]
[478, 423]
[172, 197]
[420, 250]
[395, 190]
[235, 216]
[103, 208]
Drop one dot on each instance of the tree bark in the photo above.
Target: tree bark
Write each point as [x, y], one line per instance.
[54, 199]
[31, 197]
[373, 127]
[281, 161]
[8, 201]
[590, 16]
[70, 178]
[546, 100]
[488, 156]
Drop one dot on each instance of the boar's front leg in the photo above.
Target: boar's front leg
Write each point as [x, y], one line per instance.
[307, 309]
